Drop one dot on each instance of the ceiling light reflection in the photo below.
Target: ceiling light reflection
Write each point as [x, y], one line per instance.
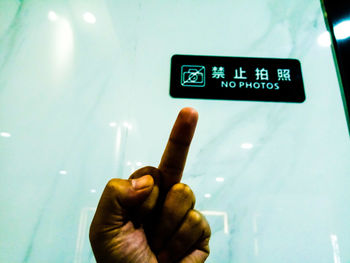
[63, 172]
[112, 124]
[63, 45]
[52, 16]
[256, 246]
[335, 245]
[324, 39]
[207, 195]
[342, 30]
[93, 191]
[5, 134]
[246, 146]
[220, 179]
[127, 125]
[118, 139]
[89, 18]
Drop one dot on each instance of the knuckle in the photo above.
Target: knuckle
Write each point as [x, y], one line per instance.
[149, 169]
[194, 218]
[182, 190]
[207, 229]
[208, 232]
[112, 184]
[154, 172]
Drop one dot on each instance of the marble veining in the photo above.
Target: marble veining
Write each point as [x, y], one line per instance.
[85, 100]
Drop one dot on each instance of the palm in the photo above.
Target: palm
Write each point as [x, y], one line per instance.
[130, 245]
[135, 247]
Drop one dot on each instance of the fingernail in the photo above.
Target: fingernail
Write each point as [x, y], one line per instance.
[142, 182]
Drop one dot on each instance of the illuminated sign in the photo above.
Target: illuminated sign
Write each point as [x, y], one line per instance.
[236, 78]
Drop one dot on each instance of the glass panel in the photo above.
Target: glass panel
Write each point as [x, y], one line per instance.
[84, 97]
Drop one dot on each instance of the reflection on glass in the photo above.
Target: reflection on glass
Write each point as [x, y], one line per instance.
[324, 40]
[207, 195]
[127, 125]
[63, 172]
[256, 246]
[255, 230]
[63, 44]
[220, 179]
[89, 18]
[342, 30]
[222, 214]
[246, 146]
[118, 140]
[335, 245]
[112, 124]
[52, 16]
[5, 134]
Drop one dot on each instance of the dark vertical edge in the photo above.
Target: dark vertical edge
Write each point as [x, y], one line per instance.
[328, 15]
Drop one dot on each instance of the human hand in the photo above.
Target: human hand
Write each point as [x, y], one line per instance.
[150, 217]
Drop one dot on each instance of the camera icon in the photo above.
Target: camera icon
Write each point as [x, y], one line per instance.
[192, 76]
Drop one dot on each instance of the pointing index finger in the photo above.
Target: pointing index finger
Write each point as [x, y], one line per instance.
[174, 156]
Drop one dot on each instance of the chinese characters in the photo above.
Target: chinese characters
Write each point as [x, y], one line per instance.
[283, 74]
[218, 72]
[240, 75]
[260, 74]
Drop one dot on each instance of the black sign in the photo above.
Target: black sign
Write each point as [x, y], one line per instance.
[236, 78]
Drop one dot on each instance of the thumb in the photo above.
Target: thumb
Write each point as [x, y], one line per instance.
[118, 199]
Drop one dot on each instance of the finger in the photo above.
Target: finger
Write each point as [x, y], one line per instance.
[174, 156]
[112, 214]
[149, 204]
[191, 241]
[198, 256]
[179, 200]
[118, 199]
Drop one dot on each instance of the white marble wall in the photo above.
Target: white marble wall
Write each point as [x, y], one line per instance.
[82, 101]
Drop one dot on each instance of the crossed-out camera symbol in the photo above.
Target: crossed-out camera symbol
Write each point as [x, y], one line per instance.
[192, 76]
